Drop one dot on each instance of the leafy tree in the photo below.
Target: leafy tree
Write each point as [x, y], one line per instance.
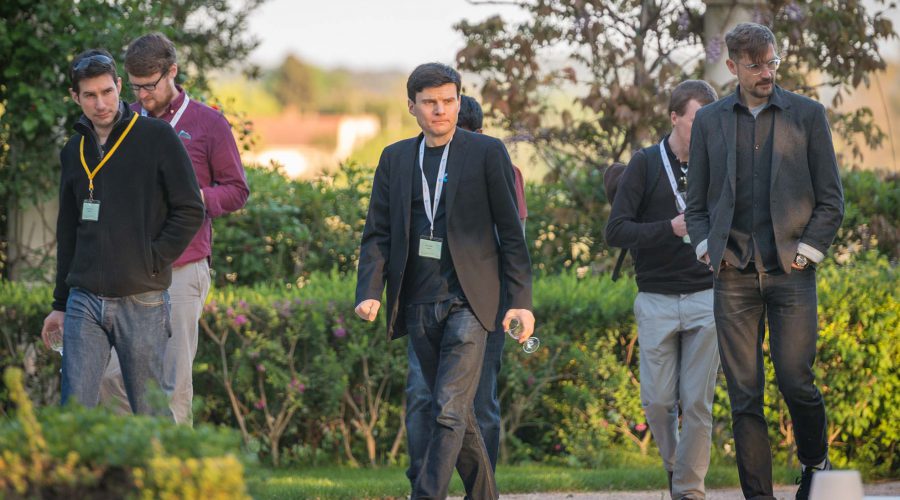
[618, 58]
[293, 83]
[38, 40]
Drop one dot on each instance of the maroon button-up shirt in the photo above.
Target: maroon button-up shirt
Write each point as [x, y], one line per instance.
[207, 137]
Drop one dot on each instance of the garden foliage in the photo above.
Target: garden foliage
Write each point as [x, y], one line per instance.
[75, 452]
[305, 381]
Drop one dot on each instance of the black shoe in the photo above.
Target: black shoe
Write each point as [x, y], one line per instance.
[805, 479]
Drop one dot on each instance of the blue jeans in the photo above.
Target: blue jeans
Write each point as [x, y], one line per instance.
[487, 405]
[136, 325]
[744, 300]
[449, 343]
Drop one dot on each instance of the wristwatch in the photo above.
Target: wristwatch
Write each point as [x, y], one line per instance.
[801, 261]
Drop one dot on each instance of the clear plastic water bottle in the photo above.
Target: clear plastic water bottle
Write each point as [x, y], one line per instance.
[56, 340]
[515, 329]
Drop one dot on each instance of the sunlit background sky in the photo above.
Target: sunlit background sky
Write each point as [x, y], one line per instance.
[365, 34]
[379, 34]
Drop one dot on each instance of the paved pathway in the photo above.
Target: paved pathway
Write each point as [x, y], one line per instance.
[878, 491]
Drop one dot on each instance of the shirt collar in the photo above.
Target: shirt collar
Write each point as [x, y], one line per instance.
[175, 103]
[673, 159]
[776, 99]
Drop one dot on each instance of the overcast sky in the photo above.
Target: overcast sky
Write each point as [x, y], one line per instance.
[379, 34]
[364, 34]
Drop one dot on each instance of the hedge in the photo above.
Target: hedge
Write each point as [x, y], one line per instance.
[75, 452]
[304, 381]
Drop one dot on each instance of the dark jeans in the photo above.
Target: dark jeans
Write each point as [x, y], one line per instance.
[449, 343]
[744, 300]
[137, 326]
[487, 405]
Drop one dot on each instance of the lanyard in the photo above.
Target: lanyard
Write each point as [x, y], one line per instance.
[178, 113]
[106, 157]
[665, 158]
[431, 212]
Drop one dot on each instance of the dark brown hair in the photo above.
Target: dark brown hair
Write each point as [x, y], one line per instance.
[688, 90]
[471, 117]
[431, 75]
[751, 39]
[150, 54]
[91, 64]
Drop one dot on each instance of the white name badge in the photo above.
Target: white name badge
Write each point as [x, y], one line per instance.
[430, 248]
[90, 210]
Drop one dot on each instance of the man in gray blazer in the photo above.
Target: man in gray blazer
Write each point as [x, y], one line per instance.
[764, 204]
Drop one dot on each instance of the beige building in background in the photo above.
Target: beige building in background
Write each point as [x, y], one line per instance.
[309, 144]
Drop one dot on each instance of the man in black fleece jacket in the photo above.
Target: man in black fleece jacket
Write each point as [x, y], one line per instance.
[129, 204]
[674, 306]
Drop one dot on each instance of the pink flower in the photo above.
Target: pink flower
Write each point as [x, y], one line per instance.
[260, 404]
[640, 427]
[260, 367]
[230, 312]
[557, 447]
[297, 386]
[240, 319]
[211, 307]
[340, 332]
[242, 304]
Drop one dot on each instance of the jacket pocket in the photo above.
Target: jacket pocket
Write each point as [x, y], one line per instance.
[150, 261]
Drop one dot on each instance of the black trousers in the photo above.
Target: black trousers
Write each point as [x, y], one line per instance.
[744, 301]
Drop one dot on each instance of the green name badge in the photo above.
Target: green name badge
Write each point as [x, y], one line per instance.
[430, 248]
[90, 211]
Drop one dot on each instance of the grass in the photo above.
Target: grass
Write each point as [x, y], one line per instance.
[390, 482]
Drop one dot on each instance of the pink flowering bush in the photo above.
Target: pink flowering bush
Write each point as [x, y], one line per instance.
[299, 378]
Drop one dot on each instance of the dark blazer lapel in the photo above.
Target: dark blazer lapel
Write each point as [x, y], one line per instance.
[781, 139]
[729, 128]
[408, 171]
[456, 161]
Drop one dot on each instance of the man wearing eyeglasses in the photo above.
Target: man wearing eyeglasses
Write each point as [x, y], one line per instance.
[152, 67]
[764, 204]
[129, 205]
[674, 305]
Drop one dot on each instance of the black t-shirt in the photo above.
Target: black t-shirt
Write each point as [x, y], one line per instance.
[429, 280]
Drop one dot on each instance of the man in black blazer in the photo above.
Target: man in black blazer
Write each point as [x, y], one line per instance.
[440, 203]
[764, 204]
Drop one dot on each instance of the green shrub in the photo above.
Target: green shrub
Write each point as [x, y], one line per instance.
[300, 373]
[290, 228]
[306, 381]
[75, 452]
[871, 214]
[22, 312]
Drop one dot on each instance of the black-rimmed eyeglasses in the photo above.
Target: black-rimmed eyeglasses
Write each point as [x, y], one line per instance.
[757, 69]
[83, 64]
[149, 87]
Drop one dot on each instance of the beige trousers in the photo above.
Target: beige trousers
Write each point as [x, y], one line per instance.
[679, 363]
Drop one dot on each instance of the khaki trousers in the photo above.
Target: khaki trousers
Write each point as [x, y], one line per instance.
[679, 363]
